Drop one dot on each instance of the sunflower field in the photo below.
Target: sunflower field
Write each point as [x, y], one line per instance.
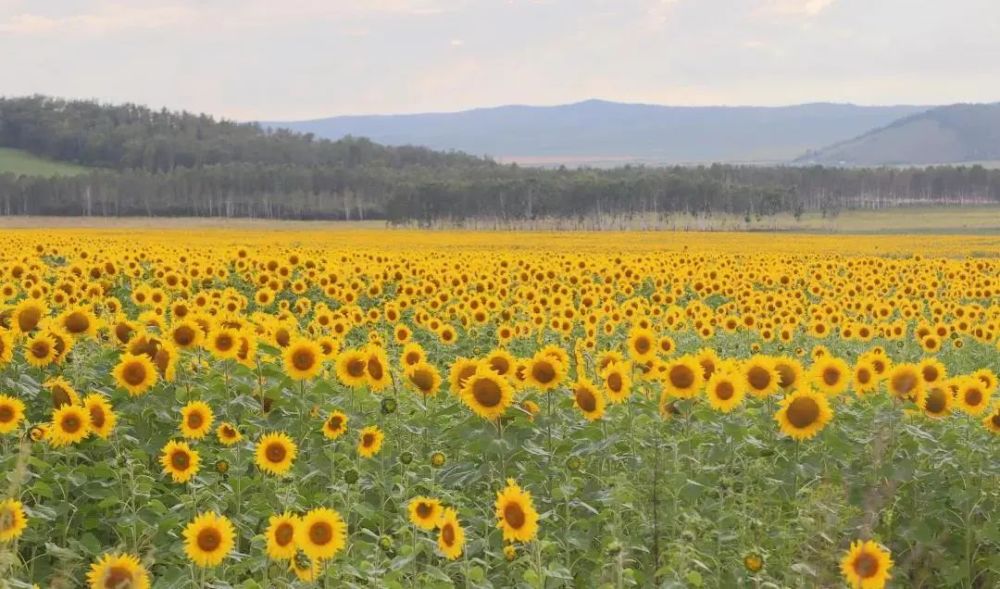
[295, 408]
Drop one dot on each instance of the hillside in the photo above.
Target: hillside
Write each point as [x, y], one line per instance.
[947, 134]
[599, 132]
[145, 162]
[15, 161]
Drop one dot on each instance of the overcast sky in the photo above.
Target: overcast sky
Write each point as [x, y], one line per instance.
[296, 59]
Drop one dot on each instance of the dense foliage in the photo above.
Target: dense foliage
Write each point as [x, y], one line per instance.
[179, 164]
[271, 410]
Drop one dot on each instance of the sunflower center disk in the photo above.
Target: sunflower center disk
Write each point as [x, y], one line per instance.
[681, 377]
[543, 372]
[866, 565]
[320, 533]
[303, 360]
[118, 578]
[585, 399]
[513, 515]
[209, 539]
[803, 412]
[275, 452]
[180, 460]
[134, 374]
[487, 392]
[284, 534]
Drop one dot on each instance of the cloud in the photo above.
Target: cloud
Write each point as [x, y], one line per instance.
[658, 13]
[109, 18]
[101, 17]
[795, 7]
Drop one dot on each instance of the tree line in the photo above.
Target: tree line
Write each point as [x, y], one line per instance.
[162, 163]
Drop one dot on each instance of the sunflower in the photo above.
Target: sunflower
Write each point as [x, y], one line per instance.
[423, 378]
[666, 345]
[708, 360]
[70, 425]
[460, 371]
[223, 343]
[6, 347]
[165, 361]
[281, 536]
[684, 376]
[986, 376]
[641, 344]
[62, 392]
[228, 433]
[424, 512]
[516, 515]
[351, 368]
[760, 377]
[135, 373]
[726, 391]
[180, 461]
[377, 368]
[451, 536]
[275, 453]
[27, 315]
[864, 380]
[487, 393]
[972, 397]
[208, 539]
[12, 520]
[196, 420]
[803, 414]
[879, 361]
[830, 375]
[322, 534]
[904, 381]
[617, 378]
[753, 562]
[992, 420]
[937, 400]
[933, 371]
[306, 569]
[335, 425]
[78, 322]
[588, 399]
[866, 565]
[370, 441]
[102, 415]
[302, 359]
[11, 413]
[413, 353]
[118, 571]
[501, 362]
[185, 334]
[40, 350]
[545, 371]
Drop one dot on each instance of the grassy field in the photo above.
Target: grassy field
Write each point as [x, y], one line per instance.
[966, 220]
[17, 161]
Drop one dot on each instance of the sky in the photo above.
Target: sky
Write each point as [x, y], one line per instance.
[300, 59]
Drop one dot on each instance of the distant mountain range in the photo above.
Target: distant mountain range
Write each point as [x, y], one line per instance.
[947, 134]
[597, 132]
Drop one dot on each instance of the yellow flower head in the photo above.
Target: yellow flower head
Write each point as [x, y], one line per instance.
[275, 453]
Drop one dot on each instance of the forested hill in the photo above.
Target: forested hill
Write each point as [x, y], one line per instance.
[133, 137]
[130, 160]
[948, 134]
